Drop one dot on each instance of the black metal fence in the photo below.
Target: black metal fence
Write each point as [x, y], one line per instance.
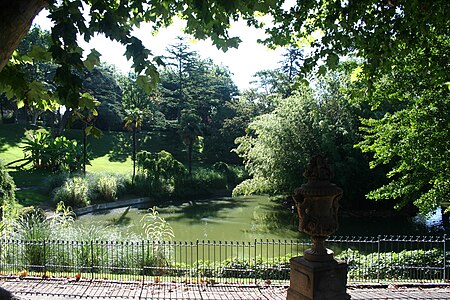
[370, 259]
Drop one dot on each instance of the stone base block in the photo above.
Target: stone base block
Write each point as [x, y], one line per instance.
[317, 280]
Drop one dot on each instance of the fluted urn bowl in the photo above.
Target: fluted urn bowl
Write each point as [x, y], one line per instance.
[317, 203]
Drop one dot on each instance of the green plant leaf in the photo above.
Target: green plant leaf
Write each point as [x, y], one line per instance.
[92, 60]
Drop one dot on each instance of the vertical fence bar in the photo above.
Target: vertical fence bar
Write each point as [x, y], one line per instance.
[444, 273]
[92, 259]
[197, 263]
[255, 263]
[378, 258]
[143, 260]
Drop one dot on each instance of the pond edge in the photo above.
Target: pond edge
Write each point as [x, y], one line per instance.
[111, 205]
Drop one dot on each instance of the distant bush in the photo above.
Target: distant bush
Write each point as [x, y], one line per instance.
[202, 183]
[74, 192]
[209, 179]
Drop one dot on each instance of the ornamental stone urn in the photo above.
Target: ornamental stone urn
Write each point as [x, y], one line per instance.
[317, 275]
[317, 204]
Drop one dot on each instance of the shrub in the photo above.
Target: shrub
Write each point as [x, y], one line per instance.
[55, 181]
[45, 152]
[7, 198]
[74, 192]
[31, 211]
[209, 179]
[7, 186]
[107, 187]
[159, 174]
[406, 264]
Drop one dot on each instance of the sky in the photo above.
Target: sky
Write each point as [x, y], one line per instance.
[243, 62]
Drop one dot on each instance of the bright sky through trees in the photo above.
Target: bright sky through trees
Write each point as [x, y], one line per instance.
[243, 62]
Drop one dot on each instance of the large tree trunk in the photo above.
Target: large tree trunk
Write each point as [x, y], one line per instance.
[63, 122]
[16, 17]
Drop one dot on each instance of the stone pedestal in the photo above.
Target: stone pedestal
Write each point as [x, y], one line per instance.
[317, 280]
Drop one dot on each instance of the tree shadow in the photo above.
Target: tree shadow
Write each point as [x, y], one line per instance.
[11, 135]
[121, 147]
[122, 220]
[109, 144]
[195, 211]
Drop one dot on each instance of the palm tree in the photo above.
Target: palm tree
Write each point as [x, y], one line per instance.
[190, 132]
[133, 123]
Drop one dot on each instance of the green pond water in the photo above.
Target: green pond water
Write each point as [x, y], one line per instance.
[218, 219]
[240, 219]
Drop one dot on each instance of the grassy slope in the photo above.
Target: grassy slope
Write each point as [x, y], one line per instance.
[109, 153]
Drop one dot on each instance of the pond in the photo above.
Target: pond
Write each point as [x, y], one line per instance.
[244, 219]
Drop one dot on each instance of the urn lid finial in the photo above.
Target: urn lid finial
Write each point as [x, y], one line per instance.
[318, 169]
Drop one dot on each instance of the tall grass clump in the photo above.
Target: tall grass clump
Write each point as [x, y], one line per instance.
[80, 191]
[158, 174]
[209, 179]
[107, 187]
[202, 183]
[74, 192]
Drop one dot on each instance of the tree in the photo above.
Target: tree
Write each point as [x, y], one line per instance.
[376, 31]
[133, 122]
[199, 86]
[190, 132]
[409, 132]
[116, 21]
[87, 117]
[101, 82]
[279, 144]
[290, 67]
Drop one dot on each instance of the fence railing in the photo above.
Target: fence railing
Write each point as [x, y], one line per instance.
[370, 259]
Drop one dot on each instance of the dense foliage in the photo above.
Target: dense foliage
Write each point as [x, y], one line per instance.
[278, 145]
[158, 173]
[377, 31]
[46, 152]
[409, 130]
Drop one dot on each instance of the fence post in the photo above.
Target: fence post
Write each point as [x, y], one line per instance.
[378, 258]
[445, 260]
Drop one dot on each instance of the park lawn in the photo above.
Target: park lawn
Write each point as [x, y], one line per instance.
[104, 164]
[109, 154]
[11, 137]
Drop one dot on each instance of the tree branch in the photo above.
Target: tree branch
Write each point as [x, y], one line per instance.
[16, 18]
